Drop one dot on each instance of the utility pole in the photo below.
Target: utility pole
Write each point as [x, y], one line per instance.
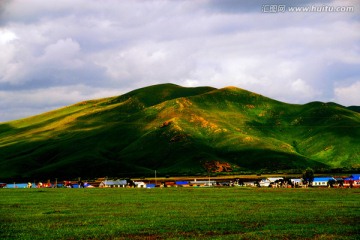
[155, 179]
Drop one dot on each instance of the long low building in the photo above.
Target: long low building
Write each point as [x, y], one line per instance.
[322, 181]
[266, 182]
[202, 183]
[113, 183]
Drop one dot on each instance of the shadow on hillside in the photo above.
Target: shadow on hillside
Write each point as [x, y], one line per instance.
[68, 153]
[5, 128]
[256, 159]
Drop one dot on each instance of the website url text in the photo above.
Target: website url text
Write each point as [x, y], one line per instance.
[277, 8]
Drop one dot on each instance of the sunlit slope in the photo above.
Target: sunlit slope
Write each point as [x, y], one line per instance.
[178, 130]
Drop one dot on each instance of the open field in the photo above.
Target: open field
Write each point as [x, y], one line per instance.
[180, 213]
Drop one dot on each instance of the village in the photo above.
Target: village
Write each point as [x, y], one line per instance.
[351, 181]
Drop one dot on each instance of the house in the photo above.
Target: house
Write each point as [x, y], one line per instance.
[170, 184]
[297, 182]
[202, 183]
[264, 182]
[182, 183]
[17, 185]
[339, 182]
[322, 181]
[226, 184]
[114, 183]
[356, 179]
[140, 184]
[352, 181]
[88, 185]
[272, 181]
[250, 184]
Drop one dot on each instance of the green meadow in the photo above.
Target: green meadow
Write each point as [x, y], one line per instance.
[180, 213]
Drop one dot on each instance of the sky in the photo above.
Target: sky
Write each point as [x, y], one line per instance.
[57, 53]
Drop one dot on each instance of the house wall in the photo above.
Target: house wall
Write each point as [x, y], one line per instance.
[352, 183]
[319, 183]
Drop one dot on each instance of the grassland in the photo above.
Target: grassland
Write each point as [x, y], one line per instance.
[178, 130]
[179, 213]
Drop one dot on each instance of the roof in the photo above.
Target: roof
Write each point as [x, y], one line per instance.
[19, 185]
[322, 179]
[181, 182]
[351, 178]
[355, 176]
[115, 182]
[202, 182]
[273, 179]
[265, 180]
[139, 183]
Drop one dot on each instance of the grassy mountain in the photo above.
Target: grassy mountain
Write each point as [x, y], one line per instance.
[354, 108]
[178, 130]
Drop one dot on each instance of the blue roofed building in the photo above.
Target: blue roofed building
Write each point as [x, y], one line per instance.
[355, 176]
[182, 183]
[322, 181]
[352, 181]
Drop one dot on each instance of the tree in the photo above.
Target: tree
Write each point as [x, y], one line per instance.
[308, 176]
[331, 183]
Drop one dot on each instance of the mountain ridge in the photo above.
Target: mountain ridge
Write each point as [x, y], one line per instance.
[178, 130]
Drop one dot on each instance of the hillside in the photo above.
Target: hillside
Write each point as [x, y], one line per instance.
[178, 130]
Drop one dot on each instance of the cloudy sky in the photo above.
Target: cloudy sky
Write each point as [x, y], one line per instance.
[56, 53]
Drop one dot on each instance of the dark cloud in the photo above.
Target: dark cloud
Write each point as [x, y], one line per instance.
[67, 51]
[3, 11]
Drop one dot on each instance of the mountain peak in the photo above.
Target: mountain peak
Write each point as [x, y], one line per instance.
[231, 87]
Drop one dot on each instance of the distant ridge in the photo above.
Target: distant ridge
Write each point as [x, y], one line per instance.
[354, 108]
[180, 131]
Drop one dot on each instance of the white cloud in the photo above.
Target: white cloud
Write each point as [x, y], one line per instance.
[63, 54]
[303, 90]
[129, 44]
[348, 95]
[12, 69]
[7, 36]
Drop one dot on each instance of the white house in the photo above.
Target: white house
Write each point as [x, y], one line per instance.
[264, 182]
[269, 181]
[322, 181]
[140, 184]
[297, 182]
[202, 183]
[113, 183]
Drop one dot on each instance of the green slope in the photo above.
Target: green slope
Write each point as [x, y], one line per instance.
[178, 130]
